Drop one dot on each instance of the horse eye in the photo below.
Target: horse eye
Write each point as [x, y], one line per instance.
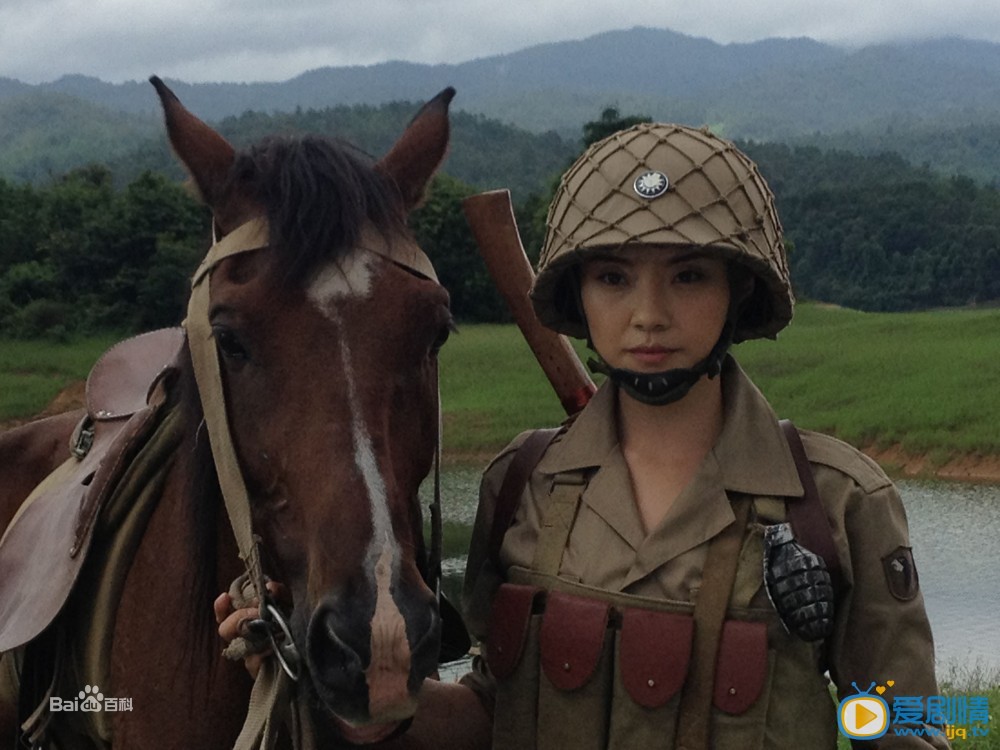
[229, 344]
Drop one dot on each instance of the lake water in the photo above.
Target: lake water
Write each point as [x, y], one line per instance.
[954, 530]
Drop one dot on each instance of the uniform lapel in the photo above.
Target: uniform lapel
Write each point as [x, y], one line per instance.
[701, 511]
[609, 495]
[591, 443]
[751, 457]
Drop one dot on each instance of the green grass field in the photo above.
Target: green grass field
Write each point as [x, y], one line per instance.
[928, 381]
[33, 372]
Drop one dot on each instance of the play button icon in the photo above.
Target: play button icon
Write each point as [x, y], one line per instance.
[863, 717]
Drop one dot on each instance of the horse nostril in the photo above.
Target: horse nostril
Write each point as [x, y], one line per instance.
[335, 663]
[427, 648]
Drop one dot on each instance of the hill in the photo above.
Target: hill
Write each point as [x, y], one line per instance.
[44, 136]
[763, 89]
[506, 86]
[933, 101]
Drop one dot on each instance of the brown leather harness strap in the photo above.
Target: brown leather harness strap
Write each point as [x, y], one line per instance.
[717, 578]
[528, 454]
[808, 519]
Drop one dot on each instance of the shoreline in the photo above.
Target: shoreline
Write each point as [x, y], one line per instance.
[894, 461]
[899, 464]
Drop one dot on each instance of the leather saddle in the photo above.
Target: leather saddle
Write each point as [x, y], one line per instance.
[44, 547]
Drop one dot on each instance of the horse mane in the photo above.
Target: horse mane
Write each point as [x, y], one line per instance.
[318, 193]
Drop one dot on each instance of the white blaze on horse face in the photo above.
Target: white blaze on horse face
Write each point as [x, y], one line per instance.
[347, 278]
[389, 669]
[388, 672]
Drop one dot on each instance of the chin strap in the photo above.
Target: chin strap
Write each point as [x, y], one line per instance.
[661, 388]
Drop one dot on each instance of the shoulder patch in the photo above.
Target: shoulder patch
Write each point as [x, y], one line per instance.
[901, 574]
[845, 458]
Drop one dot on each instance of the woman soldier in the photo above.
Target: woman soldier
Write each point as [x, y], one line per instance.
[664, 572]
[649, 592]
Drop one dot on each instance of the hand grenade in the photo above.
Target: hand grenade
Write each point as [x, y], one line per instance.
[798, 584]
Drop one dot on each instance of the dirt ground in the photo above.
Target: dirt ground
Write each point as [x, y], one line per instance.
[71, 397]
[962, 468]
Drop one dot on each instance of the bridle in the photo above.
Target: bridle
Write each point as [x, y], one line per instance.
[249, 237]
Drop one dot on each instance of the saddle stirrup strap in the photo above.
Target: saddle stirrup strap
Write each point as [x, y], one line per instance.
[695, 713]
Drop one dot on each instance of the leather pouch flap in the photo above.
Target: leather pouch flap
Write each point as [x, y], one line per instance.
[654, 653]
[571, 638]
[741, 669]
[511, 613]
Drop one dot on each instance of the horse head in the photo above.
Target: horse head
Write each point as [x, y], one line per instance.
[327, 341]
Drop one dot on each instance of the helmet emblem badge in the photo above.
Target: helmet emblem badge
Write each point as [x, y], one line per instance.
[651, 184]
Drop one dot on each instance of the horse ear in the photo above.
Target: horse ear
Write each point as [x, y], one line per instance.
[418, 153]
[206, 154]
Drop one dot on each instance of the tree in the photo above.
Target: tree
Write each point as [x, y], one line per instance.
[532, 212]
[443, 233]
[610, 121]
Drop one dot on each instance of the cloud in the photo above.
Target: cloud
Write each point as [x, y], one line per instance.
[243, 40]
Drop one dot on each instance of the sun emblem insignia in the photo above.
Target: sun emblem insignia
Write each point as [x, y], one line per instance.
[651, 184]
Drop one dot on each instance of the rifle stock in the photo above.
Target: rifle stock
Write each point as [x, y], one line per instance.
[491, 217]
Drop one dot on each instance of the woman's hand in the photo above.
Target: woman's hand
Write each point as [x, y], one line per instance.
[234, 623]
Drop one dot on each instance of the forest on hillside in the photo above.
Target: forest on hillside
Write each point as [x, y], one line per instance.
[44, 137]
[874, 233]
[112, 246]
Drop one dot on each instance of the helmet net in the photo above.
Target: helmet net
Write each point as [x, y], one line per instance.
[715, 197]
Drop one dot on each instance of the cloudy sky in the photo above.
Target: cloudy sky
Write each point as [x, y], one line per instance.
[267, 40]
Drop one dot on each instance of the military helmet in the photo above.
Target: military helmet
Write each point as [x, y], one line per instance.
[662, 184]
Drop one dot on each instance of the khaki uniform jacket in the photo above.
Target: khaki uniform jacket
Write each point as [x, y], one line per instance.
[881, 633]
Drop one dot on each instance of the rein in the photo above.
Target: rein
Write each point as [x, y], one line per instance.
[272, 690]
[249, 237]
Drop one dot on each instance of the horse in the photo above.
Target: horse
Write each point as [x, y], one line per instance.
[326, 334]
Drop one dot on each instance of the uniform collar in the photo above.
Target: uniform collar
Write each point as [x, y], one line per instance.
[589, 439]
[751, 453]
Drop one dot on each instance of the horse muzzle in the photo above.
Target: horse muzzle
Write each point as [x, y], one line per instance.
[370, 672]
